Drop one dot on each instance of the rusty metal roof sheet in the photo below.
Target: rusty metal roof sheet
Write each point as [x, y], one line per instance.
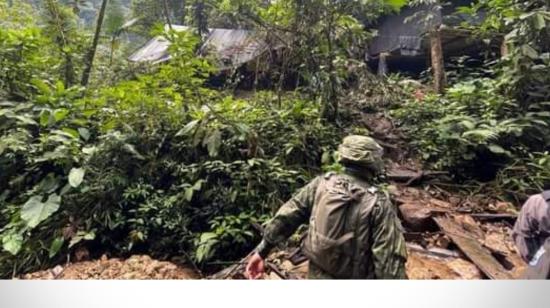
[232, 47]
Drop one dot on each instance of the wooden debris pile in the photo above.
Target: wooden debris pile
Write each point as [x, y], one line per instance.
[474, 234]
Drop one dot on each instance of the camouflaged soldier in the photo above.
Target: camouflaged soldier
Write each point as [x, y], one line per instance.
[353, 230]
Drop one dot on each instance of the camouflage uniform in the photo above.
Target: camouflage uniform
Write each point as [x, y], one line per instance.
[384, 245]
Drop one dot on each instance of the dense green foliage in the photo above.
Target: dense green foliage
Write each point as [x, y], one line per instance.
[157, 164]
[487, 128]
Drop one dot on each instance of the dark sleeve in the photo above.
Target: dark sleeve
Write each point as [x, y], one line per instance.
[388, 244]
[289, 217]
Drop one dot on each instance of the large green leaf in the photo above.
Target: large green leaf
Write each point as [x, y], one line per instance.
[539, 21]
[35, 211]
[46, 117]
[12, 243]
[497, 149]
[213, 142]
[41, 86]
[84, 133]
[132, 150]
[189, 194]
[81, 236]
[481, 134]
[60, 114]
[56, 245]
[25, 120]
[76, 175]
[396, 4]
[529, 51]
[205, 247]
[187, 128]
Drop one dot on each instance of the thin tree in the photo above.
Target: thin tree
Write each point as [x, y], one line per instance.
[167, 13]
[330, 109]
[59, 21]
[89, 61]
[183, 10]
[201, 18]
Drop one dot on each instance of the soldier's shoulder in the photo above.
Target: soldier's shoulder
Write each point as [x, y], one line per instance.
[383, 200]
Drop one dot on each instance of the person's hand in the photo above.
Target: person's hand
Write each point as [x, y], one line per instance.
[255, 267]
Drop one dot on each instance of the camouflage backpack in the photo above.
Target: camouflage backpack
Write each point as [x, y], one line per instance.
[332, 243]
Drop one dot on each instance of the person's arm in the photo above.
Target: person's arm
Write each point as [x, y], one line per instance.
[389, 252]
[289, 217]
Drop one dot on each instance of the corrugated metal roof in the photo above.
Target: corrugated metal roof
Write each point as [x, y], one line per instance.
[156, 49]
[231, 47]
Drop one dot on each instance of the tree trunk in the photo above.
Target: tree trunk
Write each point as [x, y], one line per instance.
[438, 69]
[62, 40]
[183, 11]
[330, 110]
[69, 70]
[167, 13]
[89, 62]
[200, 18]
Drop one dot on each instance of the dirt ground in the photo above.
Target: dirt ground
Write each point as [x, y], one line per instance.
[135, 267]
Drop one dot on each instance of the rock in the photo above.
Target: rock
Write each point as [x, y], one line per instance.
[56, 271]
[416, 217]
[82, 254]
[465, 269]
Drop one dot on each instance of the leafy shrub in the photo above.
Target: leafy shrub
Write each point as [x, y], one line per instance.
[159, 164]
[494, 128]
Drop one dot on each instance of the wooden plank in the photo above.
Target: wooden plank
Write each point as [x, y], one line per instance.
[436, 252]
[471, 247]
[410, 176]
[491, 216]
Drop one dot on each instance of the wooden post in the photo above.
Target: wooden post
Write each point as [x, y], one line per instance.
[438, 68]
[382, 64]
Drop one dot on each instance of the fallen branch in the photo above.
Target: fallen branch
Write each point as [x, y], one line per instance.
[227, 272]
[491, 216]
[410, 177]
